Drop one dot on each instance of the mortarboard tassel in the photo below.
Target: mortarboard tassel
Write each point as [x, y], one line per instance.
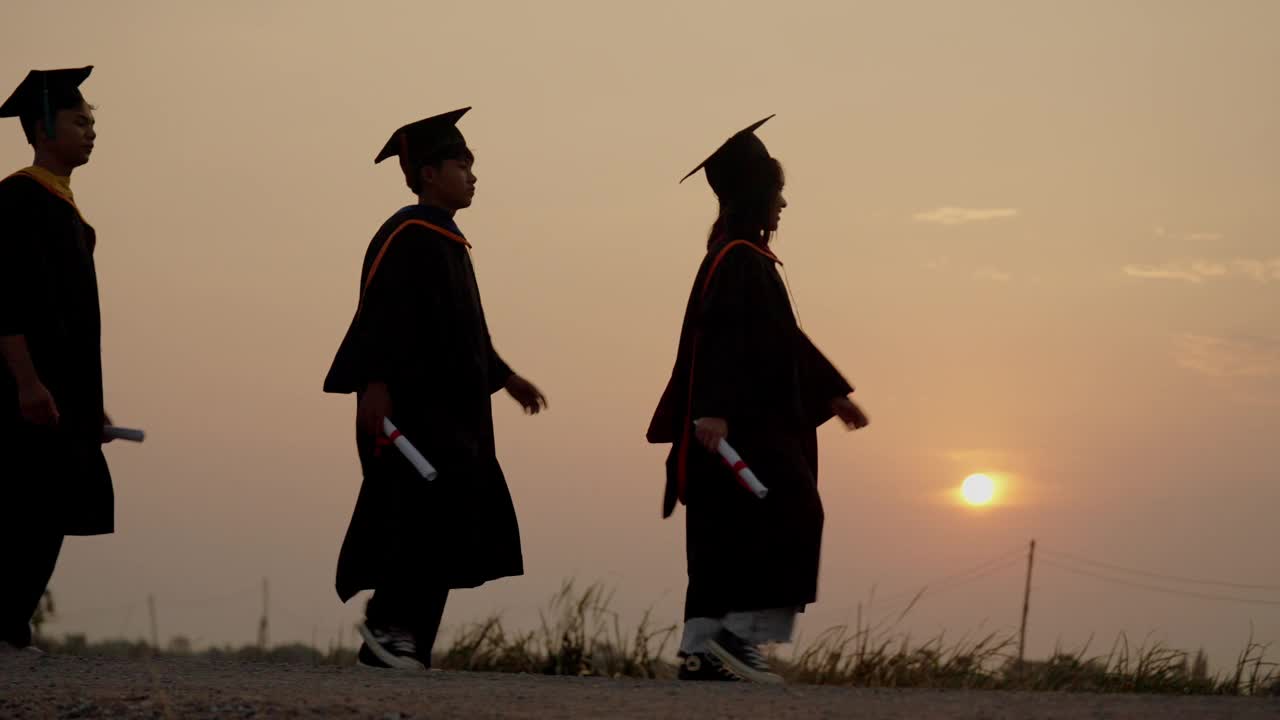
[48, 108]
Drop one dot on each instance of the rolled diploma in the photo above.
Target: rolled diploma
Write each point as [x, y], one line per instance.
[124, 433]
[407, 449]
[748, 478]
[739, 467]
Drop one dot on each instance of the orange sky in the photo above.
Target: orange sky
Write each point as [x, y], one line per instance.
[1040, 237]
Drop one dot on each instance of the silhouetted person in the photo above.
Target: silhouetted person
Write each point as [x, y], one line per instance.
[418, 352]
[745, 372]
[54, 479]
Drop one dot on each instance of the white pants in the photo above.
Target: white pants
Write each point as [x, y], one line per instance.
[757, 627]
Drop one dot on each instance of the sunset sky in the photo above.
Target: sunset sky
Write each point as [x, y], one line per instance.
[1042, 238]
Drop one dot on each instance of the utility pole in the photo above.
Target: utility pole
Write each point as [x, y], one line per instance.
[155, 626]
[1026, 604]
[264, 631]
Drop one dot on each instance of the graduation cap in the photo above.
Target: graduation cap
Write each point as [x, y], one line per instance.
[41, 91]
[738, 153]
[418, 140]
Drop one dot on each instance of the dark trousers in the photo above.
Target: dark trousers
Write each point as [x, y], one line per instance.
[415, 609]
[25, 568]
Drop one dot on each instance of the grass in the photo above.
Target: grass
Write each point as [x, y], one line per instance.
[843, 657]
[579, 634]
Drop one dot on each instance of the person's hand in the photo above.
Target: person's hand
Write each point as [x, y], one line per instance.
[849, 413]
[106, 422]
[711, 431]
[36, 404]
[375, 404]
[524, 392]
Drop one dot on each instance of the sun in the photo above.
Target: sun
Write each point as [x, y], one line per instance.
[978, 489]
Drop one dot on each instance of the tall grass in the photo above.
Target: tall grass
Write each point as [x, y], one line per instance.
[580, 634]
[844, 657]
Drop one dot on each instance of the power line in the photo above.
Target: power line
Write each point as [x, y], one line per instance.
[985, 574]
[1159, 576]
[911, 595]
[949, 582]
[1013, 554]
[962, 577]
[1159, 588]
[929, 591]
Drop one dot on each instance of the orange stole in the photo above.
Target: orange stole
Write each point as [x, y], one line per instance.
[53, 189]
[377, 260]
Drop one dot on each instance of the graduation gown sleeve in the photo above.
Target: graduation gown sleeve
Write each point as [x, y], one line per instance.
[820, 382]
[401, 312]
[401, 309]
[499, 371]
[17, 238]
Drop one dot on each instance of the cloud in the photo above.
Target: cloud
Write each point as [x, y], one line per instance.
[1147, 272]
[990, 273]
[960, 216]
[1198, 271]
[1228, 357]
[1259, 270]
[1162, 232]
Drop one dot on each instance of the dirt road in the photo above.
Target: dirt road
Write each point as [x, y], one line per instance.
[82, 687]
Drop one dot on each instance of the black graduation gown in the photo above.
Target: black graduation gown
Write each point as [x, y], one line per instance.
[52, 480]
[742, 357]
[420, 328]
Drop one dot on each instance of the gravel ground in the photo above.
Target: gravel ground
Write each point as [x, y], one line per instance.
[83, 687]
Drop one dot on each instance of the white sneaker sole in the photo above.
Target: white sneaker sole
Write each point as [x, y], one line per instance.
[741, 669]
[397, 662]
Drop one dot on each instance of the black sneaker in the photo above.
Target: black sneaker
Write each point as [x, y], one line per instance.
[19, 639]
[704, 666]
[366, 658]
[389, 647]
[742, 659]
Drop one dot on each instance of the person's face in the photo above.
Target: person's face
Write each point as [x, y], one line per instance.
[74, 135]
[775, 214]
[452, 184]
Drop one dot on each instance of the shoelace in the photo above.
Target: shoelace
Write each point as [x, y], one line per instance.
[714, 664]
[755, 658]
[399, 641]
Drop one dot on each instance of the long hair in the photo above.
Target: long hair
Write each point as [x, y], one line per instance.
[747, 204]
